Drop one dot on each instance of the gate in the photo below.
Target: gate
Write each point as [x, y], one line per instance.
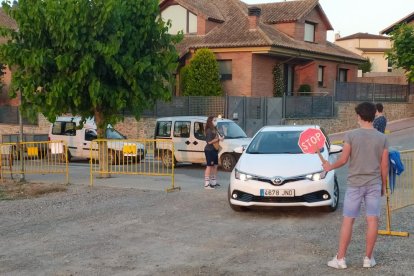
[252, 114]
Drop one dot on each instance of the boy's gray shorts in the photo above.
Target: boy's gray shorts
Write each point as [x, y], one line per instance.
[370, 195]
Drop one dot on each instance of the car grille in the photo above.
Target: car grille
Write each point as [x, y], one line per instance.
[309, 198]
[267, 180]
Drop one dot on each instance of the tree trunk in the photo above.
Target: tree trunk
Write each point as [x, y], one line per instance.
[104, 166]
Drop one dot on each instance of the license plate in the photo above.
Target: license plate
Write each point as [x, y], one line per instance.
[277, 193]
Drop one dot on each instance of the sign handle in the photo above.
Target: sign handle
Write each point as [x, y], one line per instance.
[318, 151]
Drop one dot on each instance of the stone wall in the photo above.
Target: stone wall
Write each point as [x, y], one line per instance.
[145, 127]
[347, 120]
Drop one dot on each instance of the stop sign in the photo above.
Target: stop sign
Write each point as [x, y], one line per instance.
[311, 139]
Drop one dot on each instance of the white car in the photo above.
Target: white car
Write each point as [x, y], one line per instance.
[273, 171]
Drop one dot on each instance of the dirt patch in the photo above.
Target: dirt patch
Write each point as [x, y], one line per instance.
[11, 190]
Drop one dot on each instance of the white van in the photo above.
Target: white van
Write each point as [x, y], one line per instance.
[79, 140]
[187, 134]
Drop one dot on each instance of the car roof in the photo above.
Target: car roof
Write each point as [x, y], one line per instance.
[190, 118]
[288, 127]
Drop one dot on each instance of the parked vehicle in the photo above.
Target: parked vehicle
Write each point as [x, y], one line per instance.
[79, 140]
[187, 134]
[273, 171]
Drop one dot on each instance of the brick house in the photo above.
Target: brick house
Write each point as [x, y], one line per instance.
[409, 19]
[6, 22]
[250, 40]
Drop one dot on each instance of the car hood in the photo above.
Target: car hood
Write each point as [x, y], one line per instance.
[284, 165]
[234, 143]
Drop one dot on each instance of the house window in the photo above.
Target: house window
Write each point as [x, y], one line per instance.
[321, 71]
[225, 69]
[310, 31]
[181, 20]
[343, 75]
[389, 69]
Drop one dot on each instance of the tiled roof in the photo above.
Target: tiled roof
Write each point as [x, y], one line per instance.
[205, 7]
[409, 18]
[234, 32]
[6, 21]
[285, 11]
[363, 36]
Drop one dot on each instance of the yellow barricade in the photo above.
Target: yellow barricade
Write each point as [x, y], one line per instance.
[45, 157]
[148, 157]
[403, 193]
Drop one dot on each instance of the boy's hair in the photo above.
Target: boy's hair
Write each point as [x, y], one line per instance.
[366, 111]
[379, 107]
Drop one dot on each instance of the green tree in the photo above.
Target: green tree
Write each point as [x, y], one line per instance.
[366, 66]
[401, 53]
[89, 57]
[202, 78]
[278, 80]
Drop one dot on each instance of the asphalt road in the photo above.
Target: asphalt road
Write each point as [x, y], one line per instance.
[141, 230]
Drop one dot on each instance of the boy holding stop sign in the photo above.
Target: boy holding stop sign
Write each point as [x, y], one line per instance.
[367, 152]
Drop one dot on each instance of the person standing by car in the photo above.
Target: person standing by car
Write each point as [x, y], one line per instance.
[380, 122]
[367, 152]
[211, 153]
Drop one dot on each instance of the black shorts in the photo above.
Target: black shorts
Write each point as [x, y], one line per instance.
[211, 157]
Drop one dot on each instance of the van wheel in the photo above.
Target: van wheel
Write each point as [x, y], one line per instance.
[228, 161]
[167, 159]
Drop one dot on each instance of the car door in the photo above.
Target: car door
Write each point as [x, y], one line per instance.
[181, 140]
[88, 135]
[198, 142]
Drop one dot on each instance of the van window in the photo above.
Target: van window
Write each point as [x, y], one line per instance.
[163, 129]
[199, 130]
[64, 128]
[182, 129]
[90, 134]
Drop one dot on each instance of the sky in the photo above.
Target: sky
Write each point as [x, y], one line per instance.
[353, 16]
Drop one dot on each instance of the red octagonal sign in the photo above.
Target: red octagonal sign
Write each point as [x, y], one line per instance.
[311, 139]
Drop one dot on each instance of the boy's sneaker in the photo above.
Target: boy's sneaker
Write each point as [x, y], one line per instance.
[209, 187]
[215, 185]
[336, 263]
[369, 262]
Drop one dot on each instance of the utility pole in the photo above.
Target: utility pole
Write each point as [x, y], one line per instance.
[20, 144]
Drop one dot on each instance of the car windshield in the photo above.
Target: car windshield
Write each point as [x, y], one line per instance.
[275, 142]
[230, 130]
[113, 134]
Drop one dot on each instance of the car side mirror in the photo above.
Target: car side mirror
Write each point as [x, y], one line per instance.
[239, 149]
[335, 149]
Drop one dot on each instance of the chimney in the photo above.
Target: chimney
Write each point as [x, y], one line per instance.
[254, 14]
[337, 36]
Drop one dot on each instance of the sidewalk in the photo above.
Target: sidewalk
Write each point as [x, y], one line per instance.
[392, 126]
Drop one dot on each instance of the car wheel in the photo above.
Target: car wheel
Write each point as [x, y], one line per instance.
[228, 161]
[335, 197]
[167, 159]
[236, 208]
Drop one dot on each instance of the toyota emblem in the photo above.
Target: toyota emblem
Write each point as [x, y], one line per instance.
[277, 180]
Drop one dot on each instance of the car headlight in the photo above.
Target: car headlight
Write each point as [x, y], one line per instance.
[316, 176]
[242, 176]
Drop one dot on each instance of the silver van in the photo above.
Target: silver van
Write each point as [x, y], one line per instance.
[187, 134]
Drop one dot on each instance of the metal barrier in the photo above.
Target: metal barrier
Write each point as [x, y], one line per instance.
[402, 194]
[45, 157]
[149, 157]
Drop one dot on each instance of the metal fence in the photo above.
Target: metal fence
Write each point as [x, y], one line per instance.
[355, 91]
[48, 157]
[299, 107]
[146, 157]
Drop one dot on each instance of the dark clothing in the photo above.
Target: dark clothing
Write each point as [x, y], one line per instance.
[380, 123]
[210, 136]
[211, 157]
